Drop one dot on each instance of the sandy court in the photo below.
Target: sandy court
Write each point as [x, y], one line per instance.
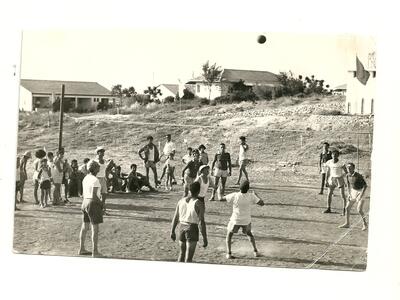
[290, 230]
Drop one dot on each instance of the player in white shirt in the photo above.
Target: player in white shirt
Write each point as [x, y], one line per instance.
[169, 148]
[92, 209]
[243, 159]
[189, 214]
[170, 164]
[241, 216]
[334, 179]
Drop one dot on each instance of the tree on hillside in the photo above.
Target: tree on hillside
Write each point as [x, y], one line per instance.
[309, 85]
[211, 74]
[153, 92]
[116, 91]
[129, 92]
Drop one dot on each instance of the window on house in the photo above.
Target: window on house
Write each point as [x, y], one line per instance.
[373, 74]
[348, 107]
[354, 73]
[362, 106]
[198, 88]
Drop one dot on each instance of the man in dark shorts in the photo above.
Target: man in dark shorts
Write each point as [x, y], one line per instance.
[189, 172]
[151, 158]
[223, 169]
[92, 209]
[189, 214]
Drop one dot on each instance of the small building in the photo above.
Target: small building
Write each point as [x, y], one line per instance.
[230, 76]
[340, 90]
[361, 88]
[169, 90]
[78, 95]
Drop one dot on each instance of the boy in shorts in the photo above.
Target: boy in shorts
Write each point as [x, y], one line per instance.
[189, 214]
[356, 186]
[189, 172]
[334, 179]
[151, 158]
[241, 216]
[243, 159]
[324, 156]
[223, 169]
[92, 209]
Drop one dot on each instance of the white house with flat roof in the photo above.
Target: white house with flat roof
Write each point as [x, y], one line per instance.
[79, 95]
[360, 95]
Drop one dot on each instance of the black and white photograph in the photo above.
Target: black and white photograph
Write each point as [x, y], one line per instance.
[250, 152]
[199, 150]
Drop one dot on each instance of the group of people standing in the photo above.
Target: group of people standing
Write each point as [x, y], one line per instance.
[336, 174]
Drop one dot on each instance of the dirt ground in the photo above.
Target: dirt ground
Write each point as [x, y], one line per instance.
[291, 230]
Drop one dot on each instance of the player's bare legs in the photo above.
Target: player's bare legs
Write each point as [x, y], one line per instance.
[82, 237]
[95, 238]
[344, 199]
[223, 183]
[329, 199]
[347, 213]
[182, 251]
[190, 249]
[361, 213]
[228, 241]
[212, 198]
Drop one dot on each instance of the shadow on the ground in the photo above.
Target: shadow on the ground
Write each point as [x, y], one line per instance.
[293, 219]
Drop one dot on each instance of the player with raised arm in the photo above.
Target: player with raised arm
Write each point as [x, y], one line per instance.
[241, 216]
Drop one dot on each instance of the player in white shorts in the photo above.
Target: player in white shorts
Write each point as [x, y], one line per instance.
[241, 216]
[356, 186]
[335, 172]
[243, 159]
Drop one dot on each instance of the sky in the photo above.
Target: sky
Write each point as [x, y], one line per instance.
[140, 58]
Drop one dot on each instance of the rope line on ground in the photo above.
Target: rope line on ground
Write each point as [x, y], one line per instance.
[334, 244]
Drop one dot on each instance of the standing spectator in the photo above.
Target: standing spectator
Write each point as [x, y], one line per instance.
[169, 148]
[39, 154]
[102, 174]
[223, 169]
[23, 176]
[44, 179]
[243, 159]
[65, 180]
[324, 156]
[50, 163]
[151, 158]
[203, 154]
[74, 180]
[57, 174]
[92, 209]
[188, 156]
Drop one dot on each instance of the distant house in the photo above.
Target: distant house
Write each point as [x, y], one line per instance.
[168, 90]
[230, 76]
[41, 94]
[340, 90]
[361, 87]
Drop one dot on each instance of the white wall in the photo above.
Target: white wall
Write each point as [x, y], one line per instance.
[166, 92]
[204, 91]
[25, 99]
[356, 91]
